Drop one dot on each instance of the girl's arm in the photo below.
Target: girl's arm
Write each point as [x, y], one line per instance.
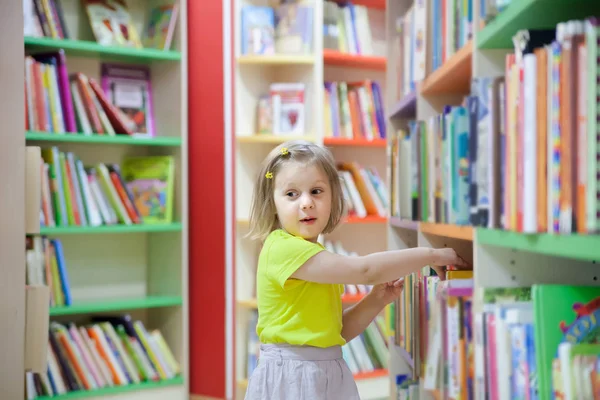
[385, 266]
[357, 317]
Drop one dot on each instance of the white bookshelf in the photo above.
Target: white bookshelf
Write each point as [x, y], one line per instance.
[142, 271]
[508, 259]
[252, 76]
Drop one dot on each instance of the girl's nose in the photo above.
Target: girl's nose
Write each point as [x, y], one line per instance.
[307, 203]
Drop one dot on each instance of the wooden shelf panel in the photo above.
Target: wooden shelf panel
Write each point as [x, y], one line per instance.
[452, 77]
[447, 230]
[338, 141]
[103, 139]
[580, 247]
[369, 219]
[277, 59]
[337, 58]
[117, 305]
[404, 223]
[84, 48]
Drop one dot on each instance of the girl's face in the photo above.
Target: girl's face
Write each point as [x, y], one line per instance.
[302, 197]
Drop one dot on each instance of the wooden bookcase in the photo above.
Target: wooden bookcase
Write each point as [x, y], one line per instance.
[500, 258]
[252, 76]
[140, 270]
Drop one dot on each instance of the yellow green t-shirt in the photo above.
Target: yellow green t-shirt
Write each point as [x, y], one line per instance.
[290, 310]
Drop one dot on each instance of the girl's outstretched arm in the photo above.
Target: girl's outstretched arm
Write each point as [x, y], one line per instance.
[385, 266]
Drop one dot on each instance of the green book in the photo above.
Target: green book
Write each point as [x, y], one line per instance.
[562, 314]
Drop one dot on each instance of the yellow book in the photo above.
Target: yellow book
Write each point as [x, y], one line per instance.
[164, 348]
[459, 275]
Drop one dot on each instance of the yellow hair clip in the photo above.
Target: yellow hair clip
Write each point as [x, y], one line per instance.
[284, 151]
[269, 175]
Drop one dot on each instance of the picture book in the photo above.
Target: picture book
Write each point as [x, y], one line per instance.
[563, 314]
[111, 23]
[258, 30]
[150, 180]
[288, 108]
[161, 26]
[293, 28]
[129, 88]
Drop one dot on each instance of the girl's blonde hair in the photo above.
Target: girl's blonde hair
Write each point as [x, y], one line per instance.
[263, 214]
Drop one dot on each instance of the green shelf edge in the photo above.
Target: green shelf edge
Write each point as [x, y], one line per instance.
[139, 228]
[84, 394]
[87, 48]
[103, 139]
[580, 247]
[117, 305]
[531, 14]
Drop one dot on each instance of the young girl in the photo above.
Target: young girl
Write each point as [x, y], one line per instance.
[301, 326]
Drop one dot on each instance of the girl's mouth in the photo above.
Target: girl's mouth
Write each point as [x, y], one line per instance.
[308, 220]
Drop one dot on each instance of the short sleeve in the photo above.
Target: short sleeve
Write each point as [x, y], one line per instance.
[287, 253]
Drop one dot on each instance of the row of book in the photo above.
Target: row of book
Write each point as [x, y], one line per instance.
[368, 351]
[286, 28]
[354, 110]
[110, 22]
[108, 352]
[46, 265]
[408, 50]
[62, 103]
[364, 190]
[410, 40]
[452, 34]
[138, 191]
[537, 342]
[365, 353]
[346, 28]
[430, 170]
[523, 151]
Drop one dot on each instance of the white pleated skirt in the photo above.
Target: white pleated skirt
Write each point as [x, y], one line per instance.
[287, 372]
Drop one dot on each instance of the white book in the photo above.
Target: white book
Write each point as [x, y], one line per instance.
[530, 144]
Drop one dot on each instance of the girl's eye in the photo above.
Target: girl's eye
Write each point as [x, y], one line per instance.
[290, 194]
[317, 191]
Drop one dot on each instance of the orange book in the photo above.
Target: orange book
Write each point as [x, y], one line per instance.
[117, 118]
[542, 138]
[581, 132]
[354, 168]
[90, 107]
[96, 335]
[67, 345]
[124, 198]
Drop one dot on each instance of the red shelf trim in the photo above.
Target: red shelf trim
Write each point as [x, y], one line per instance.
[333, 57]
[369, 219]
[375, 4]
[378, 373]
[337, 141]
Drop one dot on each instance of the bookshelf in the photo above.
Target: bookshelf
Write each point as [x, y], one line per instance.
[252, 76]
[505, 258]
[139, 270]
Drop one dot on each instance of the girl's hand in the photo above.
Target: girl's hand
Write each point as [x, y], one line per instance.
[445, 257]
[387, 292]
